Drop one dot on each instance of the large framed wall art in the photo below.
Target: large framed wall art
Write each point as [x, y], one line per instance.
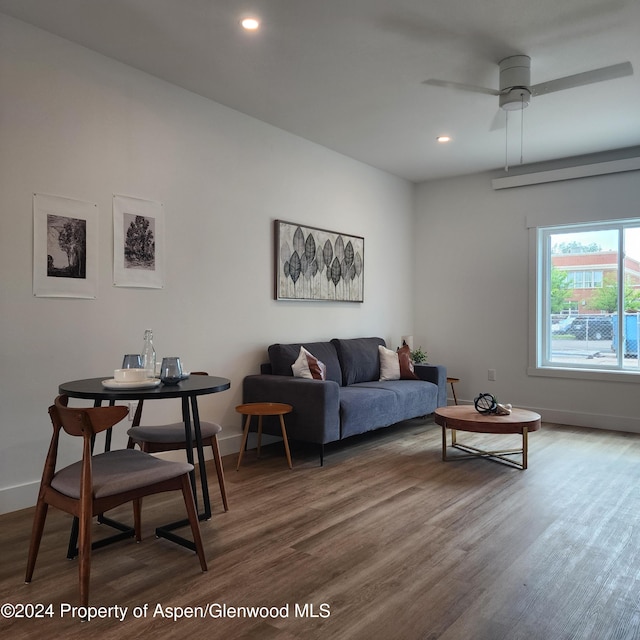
[317, 264]
[65, 247]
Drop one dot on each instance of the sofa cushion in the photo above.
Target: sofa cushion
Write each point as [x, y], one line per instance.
[396, 365]
[413, 397]
[363, 409]
[282, 356]
[407, 371]
[308, 366]
[389, 364]
[359, 359]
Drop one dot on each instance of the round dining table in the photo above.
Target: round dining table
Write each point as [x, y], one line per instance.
[103, 389]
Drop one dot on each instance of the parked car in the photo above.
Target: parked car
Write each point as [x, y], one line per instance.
[560, 322]
[586, 327]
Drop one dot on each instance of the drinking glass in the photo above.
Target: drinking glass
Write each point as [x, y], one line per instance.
[132, 361]
[171, 370]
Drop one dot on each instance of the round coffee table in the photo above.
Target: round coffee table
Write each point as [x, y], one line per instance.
[466, 418]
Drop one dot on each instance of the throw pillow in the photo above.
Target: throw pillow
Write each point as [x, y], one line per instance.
[396, 365]
[308, 366]
[389, 364]
[407, 372]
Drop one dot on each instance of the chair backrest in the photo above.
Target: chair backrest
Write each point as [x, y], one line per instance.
[77, 422]
[84, 422]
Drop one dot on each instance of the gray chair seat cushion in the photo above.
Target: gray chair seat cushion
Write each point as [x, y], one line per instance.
[168, 433]
[118, 471]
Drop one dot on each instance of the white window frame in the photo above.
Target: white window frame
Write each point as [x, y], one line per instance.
[539, 333]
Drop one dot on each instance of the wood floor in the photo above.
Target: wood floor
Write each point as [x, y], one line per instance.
[385, 541]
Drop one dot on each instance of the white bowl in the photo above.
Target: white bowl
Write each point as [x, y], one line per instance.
[130, 375]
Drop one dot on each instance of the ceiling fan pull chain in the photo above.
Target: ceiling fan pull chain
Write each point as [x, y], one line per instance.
[522, 128]
[506, 142]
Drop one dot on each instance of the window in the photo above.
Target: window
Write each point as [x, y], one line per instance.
[584, 279]
[588, 297]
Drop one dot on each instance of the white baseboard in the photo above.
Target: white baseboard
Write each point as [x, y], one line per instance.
[20, 497]
[590, 420]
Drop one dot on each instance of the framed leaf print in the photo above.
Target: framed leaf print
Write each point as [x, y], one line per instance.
[317, 264]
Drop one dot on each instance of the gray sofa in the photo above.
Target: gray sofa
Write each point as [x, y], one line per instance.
[351, 400]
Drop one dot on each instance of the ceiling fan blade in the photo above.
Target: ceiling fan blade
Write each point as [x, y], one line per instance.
[579, 79]
[460, 86]
[499, 120]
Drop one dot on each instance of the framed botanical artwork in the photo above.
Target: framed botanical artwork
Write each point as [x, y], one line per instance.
[317, 264]
[138, 243]
[65, 247]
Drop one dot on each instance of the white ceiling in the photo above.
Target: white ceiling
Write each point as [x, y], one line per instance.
[348, 74]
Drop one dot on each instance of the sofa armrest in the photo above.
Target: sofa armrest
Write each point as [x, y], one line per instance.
[437, 374]
[316, 405]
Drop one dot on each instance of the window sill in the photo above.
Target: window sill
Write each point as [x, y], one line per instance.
[585, 374]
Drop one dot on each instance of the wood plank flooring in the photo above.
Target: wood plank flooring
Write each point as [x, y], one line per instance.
[385, 541]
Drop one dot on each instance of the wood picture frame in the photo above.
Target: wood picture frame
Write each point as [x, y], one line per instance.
[313, 264]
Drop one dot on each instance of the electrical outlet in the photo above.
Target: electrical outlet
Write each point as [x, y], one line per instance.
[132, 410]
[492, 375]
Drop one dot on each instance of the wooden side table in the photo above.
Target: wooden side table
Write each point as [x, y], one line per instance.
[261, 409]
[452, 381]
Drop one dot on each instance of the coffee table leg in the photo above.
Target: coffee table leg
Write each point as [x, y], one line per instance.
[525, 446]
[444, 442]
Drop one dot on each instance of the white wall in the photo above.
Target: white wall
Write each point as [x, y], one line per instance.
[473, 311]
[76, 124]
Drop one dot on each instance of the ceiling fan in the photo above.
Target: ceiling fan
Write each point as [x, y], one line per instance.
[515, 76]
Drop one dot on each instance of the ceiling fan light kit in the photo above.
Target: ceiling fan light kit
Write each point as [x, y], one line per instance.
[515, 79]
[515, 99]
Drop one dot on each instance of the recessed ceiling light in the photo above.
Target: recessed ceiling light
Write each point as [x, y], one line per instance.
[443, 139]
[250, 24]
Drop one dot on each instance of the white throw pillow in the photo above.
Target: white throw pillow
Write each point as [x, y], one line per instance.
[389, 364]
[308, 366]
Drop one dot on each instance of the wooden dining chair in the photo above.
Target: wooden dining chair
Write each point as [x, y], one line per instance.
[172, 437]
[99, 483]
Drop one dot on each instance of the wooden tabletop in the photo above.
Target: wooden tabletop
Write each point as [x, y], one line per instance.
[264, 408]
[466, 418]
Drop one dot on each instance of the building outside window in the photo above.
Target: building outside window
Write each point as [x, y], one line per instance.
[588, 297]
[584, 279]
